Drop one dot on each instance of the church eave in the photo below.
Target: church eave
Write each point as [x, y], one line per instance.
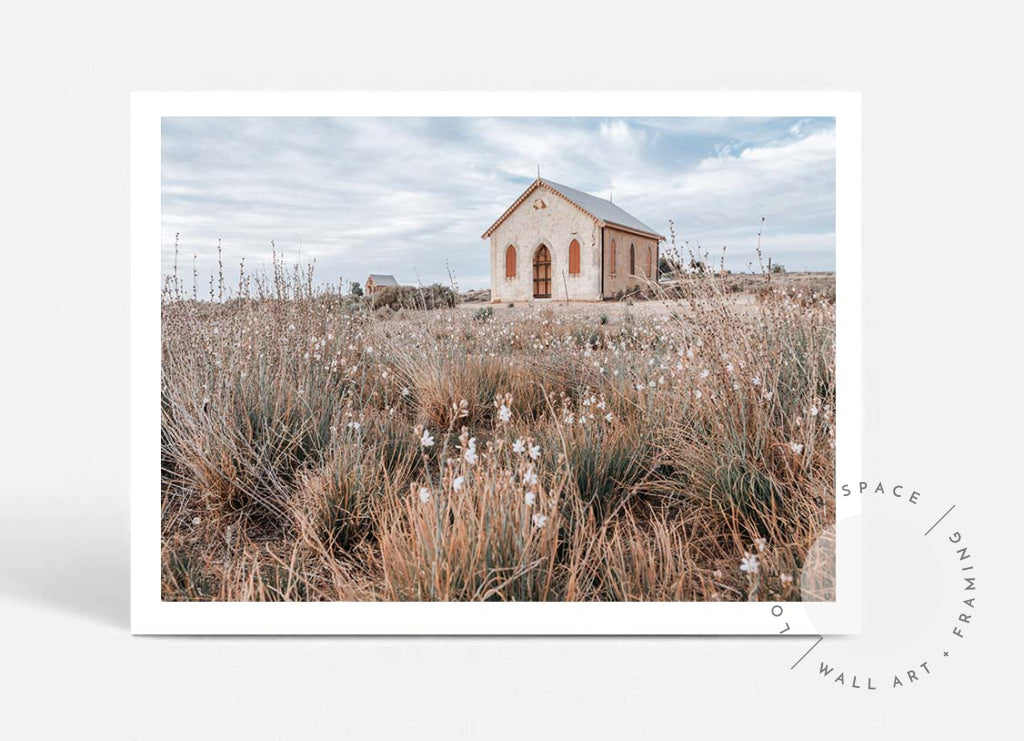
[508, 212]
[631, 230]
[534, 186]
[540, 183]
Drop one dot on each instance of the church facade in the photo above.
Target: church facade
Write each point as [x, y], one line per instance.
[556, 242]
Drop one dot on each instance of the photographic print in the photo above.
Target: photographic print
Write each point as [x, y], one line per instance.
[497, 359]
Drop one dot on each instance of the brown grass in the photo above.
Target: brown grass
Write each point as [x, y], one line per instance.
[668, 446]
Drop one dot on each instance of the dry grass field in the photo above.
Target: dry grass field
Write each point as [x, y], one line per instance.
[676, 448]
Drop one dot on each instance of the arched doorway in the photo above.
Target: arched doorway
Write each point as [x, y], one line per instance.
[542, 273]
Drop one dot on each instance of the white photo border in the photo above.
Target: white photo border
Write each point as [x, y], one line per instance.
[151, 615]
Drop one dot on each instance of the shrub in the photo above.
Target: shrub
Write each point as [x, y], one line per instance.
[430, 297]
[668, 266]
[474, 533]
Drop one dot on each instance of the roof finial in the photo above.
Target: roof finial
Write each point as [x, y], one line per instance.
[611, 193]
[538, 170]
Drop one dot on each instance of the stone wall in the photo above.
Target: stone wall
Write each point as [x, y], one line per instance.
[619, 280]
[546, 218]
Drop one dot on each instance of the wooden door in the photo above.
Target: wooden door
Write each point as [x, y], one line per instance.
[542, 273]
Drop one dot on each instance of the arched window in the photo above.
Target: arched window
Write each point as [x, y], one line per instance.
[510, 261]
[542, 273]
[574, 257]
[650, 265]
[612, 261]
[632, 259]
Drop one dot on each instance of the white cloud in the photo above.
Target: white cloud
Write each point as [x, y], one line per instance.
[404, 196]
[617, 133]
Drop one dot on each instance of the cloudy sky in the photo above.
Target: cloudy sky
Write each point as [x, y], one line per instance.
[403, 195]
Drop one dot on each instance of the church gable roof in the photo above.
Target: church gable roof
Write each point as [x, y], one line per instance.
[598, 208]
[602, 210]
[383, 280]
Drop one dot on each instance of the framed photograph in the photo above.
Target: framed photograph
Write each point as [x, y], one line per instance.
[495, 363]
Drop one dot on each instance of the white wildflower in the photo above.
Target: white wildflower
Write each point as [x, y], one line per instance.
[608, 417]
[519, 446]
[505, 413]
[458, 482]
[797, 448]
[530, 478]
[530, 498]
[749, 563]
[539, 520]
[427, 439]
[470, 455]
[760, 543]
[424, 494]
[813, 411]
[535, 451]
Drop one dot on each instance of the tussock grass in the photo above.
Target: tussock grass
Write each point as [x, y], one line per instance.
[315, 449]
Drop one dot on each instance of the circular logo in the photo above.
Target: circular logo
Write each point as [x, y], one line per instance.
[918, 593]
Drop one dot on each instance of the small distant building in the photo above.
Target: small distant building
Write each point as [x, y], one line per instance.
[556, 242]
[379, 282]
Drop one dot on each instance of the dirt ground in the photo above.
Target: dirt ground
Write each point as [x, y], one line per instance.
[743, 288]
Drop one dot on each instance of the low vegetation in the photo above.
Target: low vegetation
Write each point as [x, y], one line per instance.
[415, 297]
[313, 449]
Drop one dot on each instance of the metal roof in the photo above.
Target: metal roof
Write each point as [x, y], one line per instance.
[604, 210]
[599, 208]
[383, 280]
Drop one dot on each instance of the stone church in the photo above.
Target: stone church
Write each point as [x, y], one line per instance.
[556, 242]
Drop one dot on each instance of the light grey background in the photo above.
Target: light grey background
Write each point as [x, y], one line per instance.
[942, 163]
